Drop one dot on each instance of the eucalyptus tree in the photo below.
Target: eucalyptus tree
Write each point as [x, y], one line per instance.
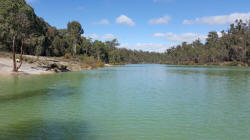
[16, 21]
[212, 46]
[75, 31]
[112, 44]
[86, 46]
[100, 51]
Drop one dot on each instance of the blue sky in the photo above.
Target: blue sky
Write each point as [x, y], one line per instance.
[150, 25]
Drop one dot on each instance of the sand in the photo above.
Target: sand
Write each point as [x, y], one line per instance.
[6, 67]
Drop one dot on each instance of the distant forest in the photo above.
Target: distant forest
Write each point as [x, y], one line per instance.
[232, 46]
[22, 29]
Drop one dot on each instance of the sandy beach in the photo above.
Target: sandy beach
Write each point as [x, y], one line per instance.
[34, 65]
[6, 66]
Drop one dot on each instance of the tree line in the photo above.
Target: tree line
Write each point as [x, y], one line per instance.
[232, 46]
[22, 31]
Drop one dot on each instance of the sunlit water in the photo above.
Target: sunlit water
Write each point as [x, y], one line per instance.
[132, 102]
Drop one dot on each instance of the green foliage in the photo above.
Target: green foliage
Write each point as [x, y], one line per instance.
[233, 45]
[91, 61]
[75, 31]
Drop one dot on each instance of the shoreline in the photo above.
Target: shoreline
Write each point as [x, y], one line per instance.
[39, 65]
[219, 64]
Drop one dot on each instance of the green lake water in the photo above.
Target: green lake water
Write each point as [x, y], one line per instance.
[131, 102]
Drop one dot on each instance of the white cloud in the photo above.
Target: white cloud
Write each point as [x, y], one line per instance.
[159, 35]
[109, 37]
[187, 22]
[123, 19]
[146, 47]
[103, 21]
[30, 1]
[219, 20]
[93, 36]
[161, 20]
[187, 37]
[105, 37]
[219, 34]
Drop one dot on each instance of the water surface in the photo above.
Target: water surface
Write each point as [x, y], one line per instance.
[132, 102]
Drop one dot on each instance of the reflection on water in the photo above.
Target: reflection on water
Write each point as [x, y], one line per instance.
[20, 87]
[142, 102]
[47, 130]
[23, 95]
[212, 71]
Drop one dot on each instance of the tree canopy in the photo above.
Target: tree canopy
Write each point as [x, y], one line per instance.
[233, 46]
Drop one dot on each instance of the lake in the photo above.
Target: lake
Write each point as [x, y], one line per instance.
[131, 102]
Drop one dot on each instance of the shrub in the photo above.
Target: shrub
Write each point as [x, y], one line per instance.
[67, 56]
[90, 61]
[99, 64]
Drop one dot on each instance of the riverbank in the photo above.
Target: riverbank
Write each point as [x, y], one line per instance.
[35, 65]
[226, 63]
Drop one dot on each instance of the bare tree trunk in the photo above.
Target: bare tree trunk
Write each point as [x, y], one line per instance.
[86, 51]
[14, 54]
[74, 49]
[98, 57]
[245, 52]
[21, 57]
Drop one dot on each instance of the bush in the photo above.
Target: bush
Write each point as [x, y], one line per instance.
[67, 56]
[99, 64]
[90, 61]
[118, 63]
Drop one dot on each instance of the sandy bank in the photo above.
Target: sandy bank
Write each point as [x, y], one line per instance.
[6, 67]
[33, 65]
